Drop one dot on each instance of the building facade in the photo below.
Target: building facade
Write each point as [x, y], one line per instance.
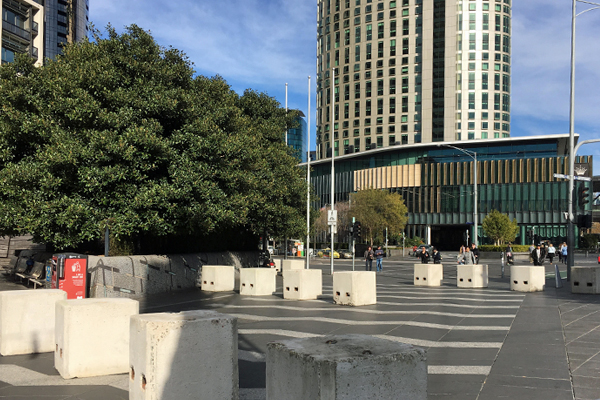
[66, 22]
[515, 176]
[297, 137]
[22, 30]
[411, 71]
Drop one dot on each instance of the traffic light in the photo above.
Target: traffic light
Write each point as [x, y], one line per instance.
[584, 221]
[583, 195]
[356, 230]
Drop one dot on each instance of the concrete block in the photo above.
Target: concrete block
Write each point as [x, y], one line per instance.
[345, 367]
[302, 284]
[472, 276]
[257, 281]
[27, 320]
[277, 262]
[527, 278]
[290, 265]
[218, 278]
[92, 336]
[585, 280]
[354, 288]
[428, 274]
[187, 355]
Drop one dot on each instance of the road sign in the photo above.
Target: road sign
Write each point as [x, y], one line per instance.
[331, 217]
[575, 178]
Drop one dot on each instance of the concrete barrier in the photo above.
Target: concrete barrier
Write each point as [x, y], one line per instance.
[354, 288]
[27, 320]
[92, 336]
[428, 274]
[302, 284]
[472, 276]
[218, 278]
[527, 278]
[257, 281]
[585, 280]
[277, 262]
[345, 367]
[290, 265]
[187, 355]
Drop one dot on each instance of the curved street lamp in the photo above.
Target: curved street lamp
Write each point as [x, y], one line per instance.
[473, 155]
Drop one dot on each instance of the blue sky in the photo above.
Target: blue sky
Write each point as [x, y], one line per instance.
[262, 44]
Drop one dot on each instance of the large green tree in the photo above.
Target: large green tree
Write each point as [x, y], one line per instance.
[499, 227]
[120, 132]
[376, 210]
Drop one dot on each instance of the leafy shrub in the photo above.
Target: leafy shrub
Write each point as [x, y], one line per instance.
[517, 248]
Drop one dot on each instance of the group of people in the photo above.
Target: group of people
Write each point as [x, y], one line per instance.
[539, 253]
[468, 255]
[371, 255]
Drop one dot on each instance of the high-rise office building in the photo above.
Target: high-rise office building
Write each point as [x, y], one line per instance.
[297, 137]
[411, 71]
[22, 29]
[66, 22]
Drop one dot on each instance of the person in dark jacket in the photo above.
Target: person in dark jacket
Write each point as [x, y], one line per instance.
[437, 257]
[424, 256]
[475, 252]
[538, 255]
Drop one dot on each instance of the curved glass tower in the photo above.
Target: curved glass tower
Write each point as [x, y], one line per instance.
[411, 71]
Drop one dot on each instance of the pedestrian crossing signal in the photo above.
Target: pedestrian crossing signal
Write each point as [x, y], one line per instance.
[583, 195]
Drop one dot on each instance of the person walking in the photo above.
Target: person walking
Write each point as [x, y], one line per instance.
[531, 249]
[538, 255]
[369, 259]
[424, 256]
[551, 252]
[437, 257]
[468, 257]
[475, 252]
[564, 253]
[379, 259]
[509, 254]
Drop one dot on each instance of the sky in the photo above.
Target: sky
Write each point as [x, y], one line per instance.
[264, 44]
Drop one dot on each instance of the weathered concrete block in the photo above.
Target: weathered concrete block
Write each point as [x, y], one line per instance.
[585, 280]
[92, 336]
[428, 274]
[345, 367]
[472, 276]
[277, 262]
[218, 278]
[354, 288]
[257, 281]
[187, 355]
[27, 320]
[289, 265]
[527, 278]
[302, 284]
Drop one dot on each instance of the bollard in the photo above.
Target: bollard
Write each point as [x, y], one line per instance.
[345, 367]
[585, 280]
[557, 277]
[354, 288]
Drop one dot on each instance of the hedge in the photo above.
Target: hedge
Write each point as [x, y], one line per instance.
[517, 248]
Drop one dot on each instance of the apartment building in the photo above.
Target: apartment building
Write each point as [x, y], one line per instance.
[22, 29]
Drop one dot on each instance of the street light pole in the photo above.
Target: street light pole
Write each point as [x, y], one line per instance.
[331, 133]
[572, 153]
[473, 155]
[308, 184]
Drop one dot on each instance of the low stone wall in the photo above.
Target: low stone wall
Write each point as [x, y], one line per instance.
[136, 276]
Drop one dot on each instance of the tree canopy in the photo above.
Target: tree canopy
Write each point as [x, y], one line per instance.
[120, 132]
[499, 227]
[376, 210]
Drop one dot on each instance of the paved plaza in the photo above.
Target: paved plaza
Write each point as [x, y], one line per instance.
[481, 343]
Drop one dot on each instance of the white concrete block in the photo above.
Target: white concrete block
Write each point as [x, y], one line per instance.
[345, 367]
[92, 336]
[472, 276]
[187, 355]
[277, 262]
[585, 280]
[527, 278]
[289, 265]
[302, 284]
[428, 274]
[354, 288]
[27, 320]
[218, 278]
[257, 281]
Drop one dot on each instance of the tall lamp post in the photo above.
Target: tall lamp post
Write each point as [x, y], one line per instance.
[473, 155]
[572, 153]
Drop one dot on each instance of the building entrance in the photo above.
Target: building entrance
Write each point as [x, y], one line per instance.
[449, 237]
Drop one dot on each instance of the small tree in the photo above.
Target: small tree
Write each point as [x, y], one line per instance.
[499, 227]
[377, 210]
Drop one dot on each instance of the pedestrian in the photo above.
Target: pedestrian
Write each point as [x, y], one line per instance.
[509, 254]
[468, 257]
[369, 259]
[564, 253]
[460, 258]
[437, 257]
[415, 250]
[424, 256]
[475, 252]
[551, 252]
[379, 256]
[531, 249]
[538, 255]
